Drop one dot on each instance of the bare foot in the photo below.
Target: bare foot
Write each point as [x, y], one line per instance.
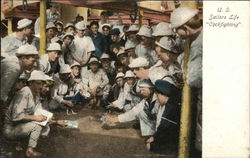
[19, 148]
[30, 152]
[73, 113]
[67, 112]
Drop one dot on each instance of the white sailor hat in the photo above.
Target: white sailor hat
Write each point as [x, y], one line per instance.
[120, 74]
[105, 56]
[54, 47]
[26, 49]
[168, 44]
[93, 59]
[121, 51]
[50, 25]
[69, 25]
[181, 15]
[133, 28]
[55, 39]
[68, 34]
[145, 30]
[75, 64]
[24, 76]
[146, 83]
[80, 26]
[139, 62]
[129, 45]
[129, 74]
[65, 69]
[37, 75]
[48, 78]
[59, 22]
[106, 25]
[163, 29]
[23, 23]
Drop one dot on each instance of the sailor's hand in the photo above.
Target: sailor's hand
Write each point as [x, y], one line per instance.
[150, 140]
[40, 118]
[112, 119]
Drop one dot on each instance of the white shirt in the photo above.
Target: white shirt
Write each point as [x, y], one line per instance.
[22, 104]
[150, 55]
[83, 46]
[52, 17]
[10, 44]
[92, 80]
[134, 112]
[159, 115]
[44, 64]
[123, 94]
[59, 90]
[10, 71]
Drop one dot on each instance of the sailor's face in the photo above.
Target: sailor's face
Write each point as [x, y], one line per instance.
[183, 31]
[67, 41]
[131, 52]
[146, 92]
[45, 89]
[53, 55]
[114, 38]
[130, 81]
[59, 28]
[140, 73]
[94, 29]
[106, 64]
[94, 67]
[162, 98]
[105, 31]
[29, 62]
[50, 33]
[75, 70]
[163, 55]
[120, 82]
[38, 85]
[80, 33]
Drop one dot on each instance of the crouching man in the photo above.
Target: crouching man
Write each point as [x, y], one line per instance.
[165, 139]
[143, 111]
[20, 117]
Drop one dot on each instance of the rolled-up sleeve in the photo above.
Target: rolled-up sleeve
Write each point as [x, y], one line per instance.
[55, 95]
[131, 114]
[105, 80]
[19, 106]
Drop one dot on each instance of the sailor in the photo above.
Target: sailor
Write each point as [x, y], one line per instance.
[131, 34]
[52, 13]
[60, 91]
[68, 48]
[20, 116]
[13, 66]
[146, 46]
[142, 111]
[98, 39]
[122, 56]
[84, 46]
[168, 66]
[130, 49]
[48, 62]
[130, 80]
[163, 29]
[59, 27]
[69, 28]
[186, 23]
[165, 139]
[11, 43]
[96, 82]
[120, 101]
